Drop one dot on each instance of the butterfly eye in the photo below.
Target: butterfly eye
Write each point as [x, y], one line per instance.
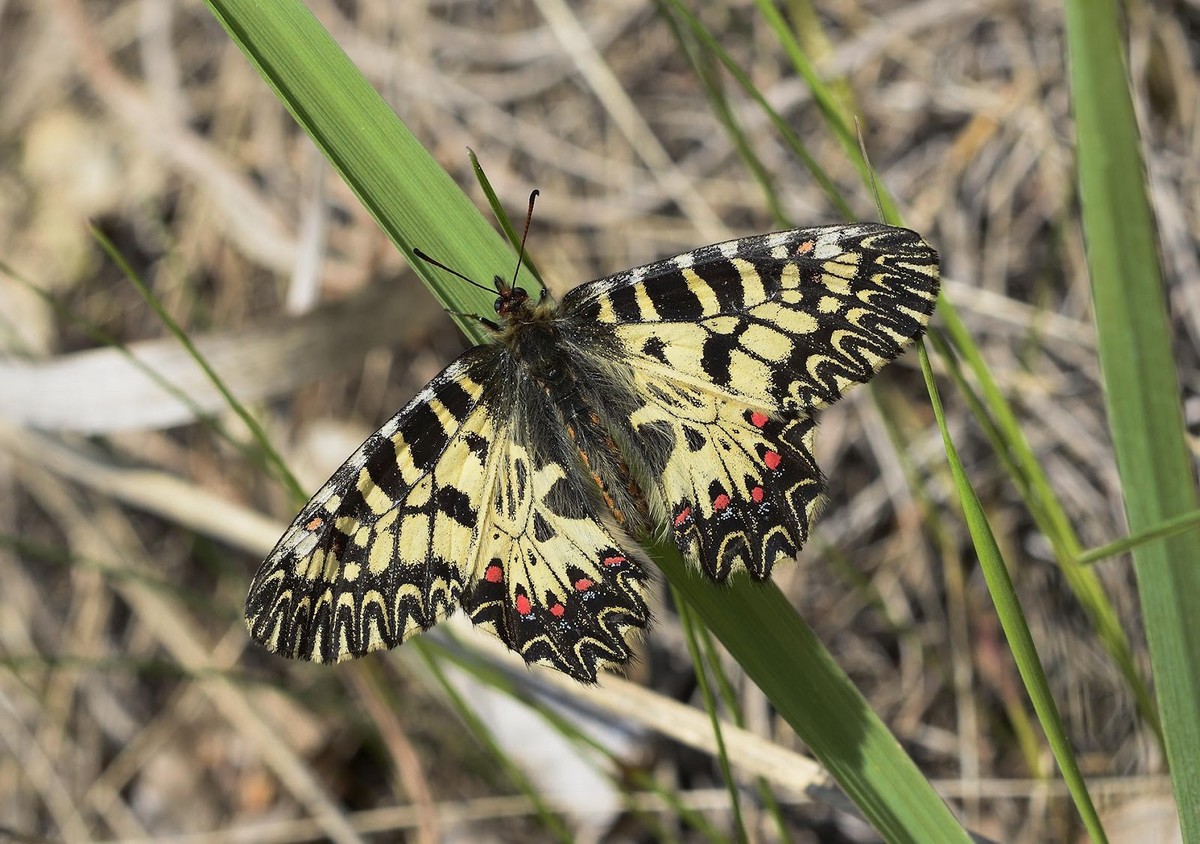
[499, 306]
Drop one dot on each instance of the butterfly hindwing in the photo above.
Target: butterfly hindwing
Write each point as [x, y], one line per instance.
[560, 584]
[741, 488]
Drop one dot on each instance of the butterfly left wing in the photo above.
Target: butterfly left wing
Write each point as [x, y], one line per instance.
[730, 350]
[451, 502]
[381, 552]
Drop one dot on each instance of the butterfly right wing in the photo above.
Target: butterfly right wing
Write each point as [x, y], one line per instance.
[729, 351]
[452, 501]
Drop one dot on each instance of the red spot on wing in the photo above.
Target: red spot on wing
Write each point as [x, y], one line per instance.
[557, 610]
[721, 502]
[805, 247]
[523, 605]
[758, 420]
[494, 574]
[772, 459]
[683, 516]
[313, 523]
[583, 584]
[757, 494]
[614, 560]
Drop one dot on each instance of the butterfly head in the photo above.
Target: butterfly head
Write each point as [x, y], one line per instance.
[512, 301]
[514, 304]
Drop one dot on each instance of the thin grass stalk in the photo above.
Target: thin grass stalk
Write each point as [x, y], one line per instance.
[1012, 617]
[1142, 394]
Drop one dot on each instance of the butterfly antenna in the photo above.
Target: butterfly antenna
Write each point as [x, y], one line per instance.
[528, 218]
[455, 273]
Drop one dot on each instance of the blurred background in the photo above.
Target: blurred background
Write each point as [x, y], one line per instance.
[133, 706]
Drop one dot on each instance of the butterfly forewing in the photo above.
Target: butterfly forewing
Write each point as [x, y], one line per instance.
[515, 484]
[783, 321]
[378, 554]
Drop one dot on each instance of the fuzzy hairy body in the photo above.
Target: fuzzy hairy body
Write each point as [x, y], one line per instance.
[676, 397]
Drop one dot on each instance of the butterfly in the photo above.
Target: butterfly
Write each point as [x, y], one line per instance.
[677, 397]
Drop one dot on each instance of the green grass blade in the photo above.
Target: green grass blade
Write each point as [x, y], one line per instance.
[783, 657]
[1012, 617]
[1171, 527]
[1011, 444]
[549, 818]
[1008, 442]
[256, 431]
[789, 137]
[994, 411]
[729, 697]
[501, 217]
[1045, 508]
[704, 64]
[829, 103]
[1141, 386]
[710, 706]
[413, 199]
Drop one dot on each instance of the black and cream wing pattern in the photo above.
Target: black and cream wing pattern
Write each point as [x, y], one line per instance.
[518, 485]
